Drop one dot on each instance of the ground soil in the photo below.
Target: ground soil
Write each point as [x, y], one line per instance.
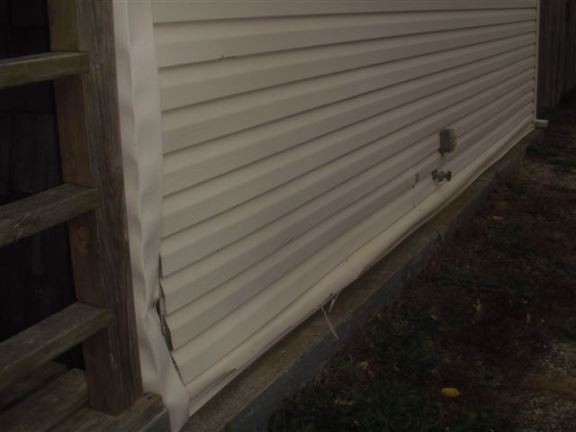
[485, 339]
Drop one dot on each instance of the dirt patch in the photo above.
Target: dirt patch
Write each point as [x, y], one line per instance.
[485, 340]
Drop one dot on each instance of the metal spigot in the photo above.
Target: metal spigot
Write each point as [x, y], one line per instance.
[441, 176]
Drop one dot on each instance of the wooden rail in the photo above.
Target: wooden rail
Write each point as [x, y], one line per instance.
[89, 136]
[42, 342]
[42, 67]
[38, 378]
[48, 407]
[92, 203]
[44, 210]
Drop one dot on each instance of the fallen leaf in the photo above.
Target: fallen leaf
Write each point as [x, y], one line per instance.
[450, 392]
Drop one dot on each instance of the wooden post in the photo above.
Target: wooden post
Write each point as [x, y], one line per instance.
[557, 62]
[87, 110]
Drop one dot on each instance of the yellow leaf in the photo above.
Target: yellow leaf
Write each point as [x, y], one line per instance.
[450, 392]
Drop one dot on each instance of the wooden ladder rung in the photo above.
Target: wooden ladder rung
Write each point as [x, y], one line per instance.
[42, 67]
[51, 337]
[45, 409]
[30, 384]
[147, 414]
[44, 210]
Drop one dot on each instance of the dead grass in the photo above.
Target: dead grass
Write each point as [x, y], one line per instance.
[493, 316]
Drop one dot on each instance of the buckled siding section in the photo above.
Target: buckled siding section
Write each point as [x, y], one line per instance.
[295, 133]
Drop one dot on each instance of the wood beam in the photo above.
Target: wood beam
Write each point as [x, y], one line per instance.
[87, 109]
[42, 67]
[44, 210]
[37, 345]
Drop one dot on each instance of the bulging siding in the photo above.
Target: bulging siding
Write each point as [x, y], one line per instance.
[295, 133]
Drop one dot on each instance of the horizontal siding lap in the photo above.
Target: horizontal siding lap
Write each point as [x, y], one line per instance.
[194, 83]
[199, 163]
[190, 249]
[193, 125]
[182, 320]
[200, 42]
[296, 132]
[197, 356]
[217, 232]
[192, 11]
[196, 317]
[196, 204]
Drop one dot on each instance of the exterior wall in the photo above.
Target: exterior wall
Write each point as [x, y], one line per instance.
[298, 144]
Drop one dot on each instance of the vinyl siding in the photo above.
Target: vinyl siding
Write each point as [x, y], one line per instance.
[296, 132]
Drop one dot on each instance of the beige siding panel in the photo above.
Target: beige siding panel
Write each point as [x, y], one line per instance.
[198, 123]
[290, 226]
[198, 355]
[196, 164]
[172, 246]
[210, 198]
[234, 9]
[240, 221]
[179, 43]
[194, 317]
[296, 133]
[195, 83]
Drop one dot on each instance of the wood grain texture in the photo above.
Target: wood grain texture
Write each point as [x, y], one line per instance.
[41, 67]
[557, 73]
[91, 156]
[44, 210]
[36, 276]
[31, 383]
[44, 341]
[146, 415]
[49, 406]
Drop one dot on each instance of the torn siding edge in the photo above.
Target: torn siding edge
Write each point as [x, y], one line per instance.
[141, 139]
